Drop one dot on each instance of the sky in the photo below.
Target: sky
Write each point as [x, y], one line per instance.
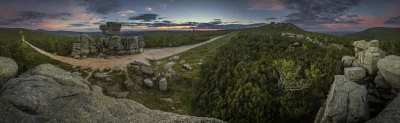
[139, 15]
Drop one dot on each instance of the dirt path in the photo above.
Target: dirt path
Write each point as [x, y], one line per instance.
[96, 63]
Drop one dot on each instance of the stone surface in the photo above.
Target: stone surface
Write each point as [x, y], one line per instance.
[150, 59]
[146, 69]
[347, 102]
[163, 84]
[186, 66]
[389, 67]
[381, 82]
[83, 46]
[76, 74]
[100, 76]
[8, 69]
[174, 58]
[148, 83]
[119, 94]
[169, 65]
[50, 94]
[355, 73]
[390, 114]
[347, 61]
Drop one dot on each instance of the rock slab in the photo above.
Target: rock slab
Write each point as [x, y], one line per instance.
[8, 69]
[389, 67]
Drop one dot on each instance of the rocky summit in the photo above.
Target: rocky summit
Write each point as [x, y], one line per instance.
[49, 94]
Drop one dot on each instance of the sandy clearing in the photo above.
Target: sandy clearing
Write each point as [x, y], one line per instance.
[98, 63]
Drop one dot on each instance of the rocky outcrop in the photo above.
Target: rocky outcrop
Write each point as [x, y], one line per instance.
[389, 67]
[347, 61]
[8, 69]
[390, 114]
[354, 73]
[347, 102]
[367, 55]
[50, 94]
[83, 46]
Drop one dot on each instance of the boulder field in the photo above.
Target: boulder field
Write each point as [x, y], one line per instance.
[50, 94]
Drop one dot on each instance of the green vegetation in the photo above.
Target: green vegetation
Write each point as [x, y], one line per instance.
[389, 38]
[180, 87]
[61, 45]
[11, 46]
[260, 77]
[175, 39]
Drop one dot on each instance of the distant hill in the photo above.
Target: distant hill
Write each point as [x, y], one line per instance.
[68, 33]
[381, 33]
[337, 33]
[389, 38]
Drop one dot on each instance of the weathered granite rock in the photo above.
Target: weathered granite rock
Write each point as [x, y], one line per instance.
[146, 69]
[163, 85]
[389, 67]
[8, 69]
[148, 83]
[119, 94]
[390, 114]
[76, 74]
[381, 82]
[169, 65]
[354, 73]
[347, 102]
[84, 45]
[50, 94]
[367, 55]
[150, 59]
[100, 76]
[186, 66]
[347, 61]
[174, 58]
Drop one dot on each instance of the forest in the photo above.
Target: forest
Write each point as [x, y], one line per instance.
[261, 77]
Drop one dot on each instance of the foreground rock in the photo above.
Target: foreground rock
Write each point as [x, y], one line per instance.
[8, 69]
[347, 102]
[50, 94]
[389, 67]
[355, 73]
[390, 114]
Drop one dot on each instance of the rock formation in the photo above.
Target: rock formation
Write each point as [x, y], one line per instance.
[367, 55]
[8, 69]
[83, 46]
[389, 67]
[111, 43]
[50, 94]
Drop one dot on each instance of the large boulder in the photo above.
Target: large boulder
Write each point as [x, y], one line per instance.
[381, 82]
[163, 85]
[390, 114]
[355, 73]
[389, 67]
[371, 58]
[347, 61]
[347, 102]
[50, 94]
[8, 69]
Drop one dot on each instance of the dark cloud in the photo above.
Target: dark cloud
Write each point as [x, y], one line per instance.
[34, 17]
[215, 24]
[145, 17]
[270, 19]
[393, 21]
[103, 22]
[160, 18]
[216, 21]
[79, 24]
[319, 12]
[166, 21]
[102, 7]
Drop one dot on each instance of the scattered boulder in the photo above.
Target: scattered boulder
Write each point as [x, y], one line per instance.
[169, 65]
[117, 69]
[77, 56]
[186, 66]
[163, 85]
[182, 62]
[200, 63]
[49, 94]
[296, 44]
[174, 58]
[169, 100]
[354, 73]
[76, 74]
[100, 76]
[146, 69]
[347, 102]
[139, 63]
[150, 59]
[148, 83]
[8, 69]
[108, 79]
[347, 61]
[389, 67]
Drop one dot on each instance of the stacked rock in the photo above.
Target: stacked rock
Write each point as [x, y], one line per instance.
[84, 45]
[367, 55]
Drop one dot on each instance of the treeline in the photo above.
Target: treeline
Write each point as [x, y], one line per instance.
[261, 77]
[11, 46]
[62, 45]
[389, 38]
[175, 39]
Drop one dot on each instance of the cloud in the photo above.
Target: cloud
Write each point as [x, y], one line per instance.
[145, 17]
[270, 19]
[160, 18]
[266, 5]
[102, 7]
[79, 24]
[149, 9]
[122, 14]
[315, 13]
[127, 12]
[216, 21]
[393, 21]
[35, 18]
